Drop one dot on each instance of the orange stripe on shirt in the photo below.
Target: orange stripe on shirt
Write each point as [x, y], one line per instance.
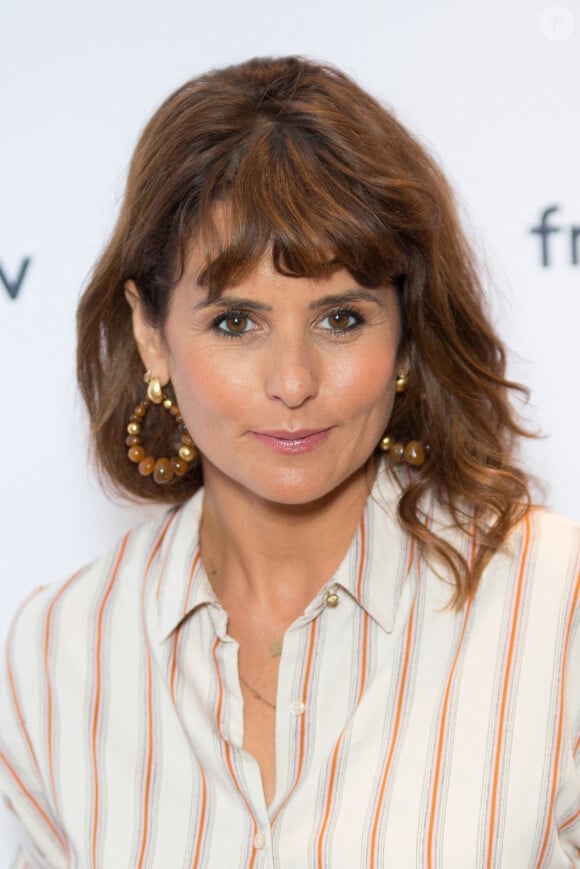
[321, 838]
[176, 643]
[33, 802]
[12, 685]
[167, 522]
[441, 742]
[203, 812]
[148, 768]
[362, 559]
[306, 687]
[399, 706]
[97, 698]
[201, 828]
[506, 694]
[148, 779]
[330, 795]
[227, 749]
[557, 756]
[49, 717]
[569, 821]
[362, 563]
[305, 696]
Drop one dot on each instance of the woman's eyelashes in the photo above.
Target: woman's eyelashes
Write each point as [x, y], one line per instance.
[237, 323]
[233, 324]
[342, 320]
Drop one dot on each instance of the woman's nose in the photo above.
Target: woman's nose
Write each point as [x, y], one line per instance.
[293, 376]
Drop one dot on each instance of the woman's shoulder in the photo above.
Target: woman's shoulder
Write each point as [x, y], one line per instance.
[542, 556]
[553, 526]
[549, 534]
[123, 569]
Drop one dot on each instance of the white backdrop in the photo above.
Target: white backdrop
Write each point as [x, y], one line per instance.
[491, 88]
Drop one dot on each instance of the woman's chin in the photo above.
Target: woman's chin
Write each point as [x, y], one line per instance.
[290, 488]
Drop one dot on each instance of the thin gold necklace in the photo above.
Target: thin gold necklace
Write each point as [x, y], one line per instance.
[256, 694]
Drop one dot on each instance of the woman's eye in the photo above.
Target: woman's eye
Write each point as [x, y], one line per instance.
[235, 324]
[340, 321]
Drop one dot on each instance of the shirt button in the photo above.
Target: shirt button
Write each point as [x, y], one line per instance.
[332, 599]
[259, 841]
[297, 707]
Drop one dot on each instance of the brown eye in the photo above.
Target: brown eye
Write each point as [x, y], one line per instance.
[340, 321]
[235, 324]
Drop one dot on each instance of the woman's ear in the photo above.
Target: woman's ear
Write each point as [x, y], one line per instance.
[148, 339]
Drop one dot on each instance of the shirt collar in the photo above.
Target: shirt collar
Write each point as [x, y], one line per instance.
[380, 557]
[373, 571]
[182, 586]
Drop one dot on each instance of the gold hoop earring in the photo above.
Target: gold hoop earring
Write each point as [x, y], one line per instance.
[413, 453]
[402, 382]
[163, 469]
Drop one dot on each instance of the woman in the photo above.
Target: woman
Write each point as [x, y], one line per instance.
[350, 642]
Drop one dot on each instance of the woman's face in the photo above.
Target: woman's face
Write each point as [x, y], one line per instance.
[285, 384]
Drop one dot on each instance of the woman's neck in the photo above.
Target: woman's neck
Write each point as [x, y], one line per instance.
[277, 555]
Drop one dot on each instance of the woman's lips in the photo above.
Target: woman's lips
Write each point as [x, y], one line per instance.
[293, 442]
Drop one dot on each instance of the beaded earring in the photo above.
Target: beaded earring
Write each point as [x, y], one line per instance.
[414, 453]
[402, 382]
[162, 469]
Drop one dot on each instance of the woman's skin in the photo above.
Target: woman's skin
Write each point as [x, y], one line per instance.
[286, 386]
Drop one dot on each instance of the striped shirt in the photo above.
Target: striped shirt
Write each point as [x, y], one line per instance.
[407, 734]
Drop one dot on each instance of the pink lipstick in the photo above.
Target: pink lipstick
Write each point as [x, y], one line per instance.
[293, 443]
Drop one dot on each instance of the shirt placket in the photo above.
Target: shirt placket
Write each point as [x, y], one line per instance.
[241, 767]
[294, 709]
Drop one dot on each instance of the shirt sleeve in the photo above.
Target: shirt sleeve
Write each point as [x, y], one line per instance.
[23, 774]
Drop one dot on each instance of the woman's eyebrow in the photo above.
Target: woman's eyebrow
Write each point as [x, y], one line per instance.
[232, 302]
[349, 297]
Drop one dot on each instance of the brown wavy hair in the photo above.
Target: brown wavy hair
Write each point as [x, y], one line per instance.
[316, 171]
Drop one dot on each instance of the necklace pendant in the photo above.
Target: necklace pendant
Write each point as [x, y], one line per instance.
[276, 648]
